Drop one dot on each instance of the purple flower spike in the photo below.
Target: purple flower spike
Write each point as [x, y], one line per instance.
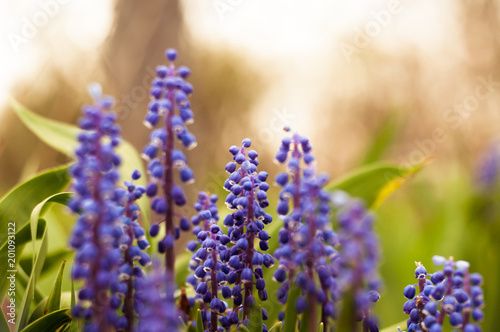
[248, 199]
[451, 292]
[171, 110]
[98, 231]
[155, 303]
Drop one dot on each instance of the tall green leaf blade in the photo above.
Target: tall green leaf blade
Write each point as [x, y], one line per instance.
[199, 322]
[373, 183]
[63, 138]
[39, 210]
[191, 327]
[4, 326]
[54, 300]
[74, 323]
[55, 321]
[23, 312]
[255, 322]
[291, 315]
[39, 259]
[52, 260]
[17, 205]
[23, 236]
[23, 279]
[305, 321]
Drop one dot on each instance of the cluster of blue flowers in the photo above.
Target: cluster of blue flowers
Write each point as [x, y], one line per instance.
[488, 168]
[135, 254]
[247, 197]
[308, 243]
[209, 262]
[452, 292]
[154, 302]
[106, 227]
[322, 266]
[359, 257]
[170, 101]
[306, 240]
[220, 260]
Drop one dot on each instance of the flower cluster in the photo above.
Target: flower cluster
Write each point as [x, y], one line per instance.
[155, 303]
[209, 261]
[135, 255]
[306, 240]
[170, 101]
[328, 252]
[488, 168]
[359, 257]
[98, 231]
[247, 198]
[452, 292]
[308, 243]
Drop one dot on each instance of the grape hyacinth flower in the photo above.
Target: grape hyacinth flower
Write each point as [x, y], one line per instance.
[247, 198]
[359, 258]
[170, 103]
[452, 292]
[135, 255]
[155, 303]
[209, 262]
[306, 239]
[98, 200]
[308, 243]
[488, 168]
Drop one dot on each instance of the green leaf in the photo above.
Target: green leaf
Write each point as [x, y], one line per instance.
[52, 260]
[55, 321]
[4, 326]
[394, 328]
[23, 278]
[17, 205]
[54, 300]
[74, 326]
[63, 138]
[40, 209]
[255, 319]
[191, 327]
[38, 311]
[199, 322]
[305, 321]
[291, 315]
[321, 327]
[374, 183]
[38, 256]
[58, 135]
[276, 327]
[383, 138]
[244, 328]
[23, 312]
[22, 237]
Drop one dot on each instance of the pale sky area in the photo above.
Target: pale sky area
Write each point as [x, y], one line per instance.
[263, 30]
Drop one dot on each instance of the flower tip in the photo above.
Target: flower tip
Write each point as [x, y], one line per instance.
[438, 260]
[171, 54]
[95, 90]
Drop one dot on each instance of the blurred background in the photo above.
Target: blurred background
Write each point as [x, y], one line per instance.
[396, 81]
